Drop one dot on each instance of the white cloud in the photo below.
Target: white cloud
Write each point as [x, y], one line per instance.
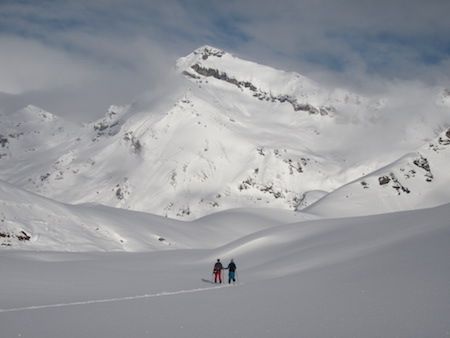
[84, 83]
[28, 65]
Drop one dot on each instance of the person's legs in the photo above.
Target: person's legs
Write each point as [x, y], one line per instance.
[231, 277]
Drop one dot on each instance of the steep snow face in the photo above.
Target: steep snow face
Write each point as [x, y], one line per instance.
[267, 84]
[418, 180]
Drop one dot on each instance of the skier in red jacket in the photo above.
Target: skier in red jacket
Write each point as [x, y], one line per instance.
[217, 271]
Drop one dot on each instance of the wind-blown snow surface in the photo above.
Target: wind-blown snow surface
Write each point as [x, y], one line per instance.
[373, 276]
[229, 133]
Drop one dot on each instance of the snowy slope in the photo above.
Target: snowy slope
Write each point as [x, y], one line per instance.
[29, 221]
[375, 276]
[31, 138]
[32, 222]
[418, 180]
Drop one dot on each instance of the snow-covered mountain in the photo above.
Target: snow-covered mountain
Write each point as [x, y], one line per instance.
[230, 133]
[420, 179]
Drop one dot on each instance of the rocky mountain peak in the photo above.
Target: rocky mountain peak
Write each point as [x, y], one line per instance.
[206, 51]
[213, 66]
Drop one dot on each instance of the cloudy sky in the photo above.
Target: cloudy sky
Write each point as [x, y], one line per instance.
[76, 58]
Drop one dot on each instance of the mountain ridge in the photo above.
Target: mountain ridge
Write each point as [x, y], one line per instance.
[417, 180]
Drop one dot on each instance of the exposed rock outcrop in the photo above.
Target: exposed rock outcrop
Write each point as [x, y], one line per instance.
[258, 93]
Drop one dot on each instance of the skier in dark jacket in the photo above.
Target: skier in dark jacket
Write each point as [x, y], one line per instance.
[217, 271]
[231, 272]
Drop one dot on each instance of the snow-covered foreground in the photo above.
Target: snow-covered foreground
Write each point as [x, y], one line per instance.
[374, 276]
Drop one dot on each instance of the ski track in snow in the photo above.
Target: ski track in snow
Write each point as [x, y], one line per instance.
[110, 300]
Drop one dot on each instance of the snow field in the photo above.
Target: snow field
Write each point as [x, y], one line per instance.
[371, 276]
